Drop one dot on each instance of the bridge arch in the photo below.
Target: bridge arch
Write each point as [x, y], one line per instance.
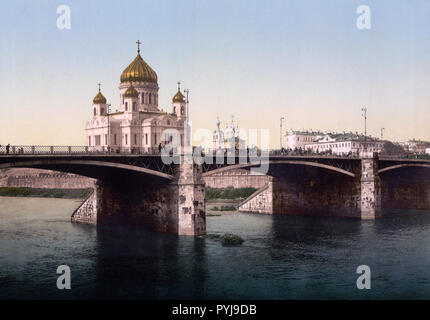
[61, 165]
[403, 165]
[271, 162]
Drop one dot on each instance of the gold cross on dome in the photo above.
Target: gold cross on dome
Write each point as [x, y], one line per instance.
[179, 85]
[99, 84]
[138, 46]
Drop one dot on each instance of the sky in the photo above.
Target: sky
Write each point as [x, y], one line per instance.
[259, 60]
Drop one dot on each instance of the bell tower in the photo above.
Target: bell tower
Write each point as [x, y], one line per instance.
[179, 104]
[99, 104]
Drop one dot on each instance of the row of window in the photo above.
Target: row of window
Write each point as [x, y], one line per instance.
[97, 139]
[134, 106]
[182, 110]
[150, 98]
[342, 145]
[102, 111]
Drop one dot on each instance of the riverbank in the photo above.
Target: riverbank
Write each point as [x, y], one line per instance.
[229, 193]
[44, 193]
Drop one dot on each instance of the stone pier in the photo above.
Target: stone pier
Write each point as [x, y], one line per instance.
[307, 190]
[370, 189]
[176, 206]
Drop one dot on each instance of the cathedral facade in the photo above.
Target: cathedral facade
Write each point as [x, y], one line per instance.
[139, 126]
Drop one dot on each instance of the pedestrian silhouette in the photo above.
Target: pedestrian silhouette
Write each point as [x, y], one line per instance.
[7, 148]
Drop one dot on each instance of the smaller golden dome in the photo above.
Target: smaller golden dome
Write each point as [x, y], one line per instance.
[178, 97]
[131, 92]
[99, 98]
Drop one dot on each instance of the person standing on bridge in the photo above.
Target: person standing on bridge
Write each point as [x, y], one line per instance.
[7, 148]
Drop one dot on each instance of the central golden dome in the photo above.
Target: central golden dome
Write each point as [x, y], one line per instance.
[138, 71]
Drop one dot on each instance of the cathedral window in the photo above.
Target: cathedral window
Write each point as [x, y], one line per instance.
[126, 106]
[114, 139]
[102, 111]
[135, 138]
[155, 138]
[95, 112]
[182, 110]
[134, 105]
[168, 122]
[174, 109]
[89, 141]
[150, 98]
[106, 139]
[146, 138]
[143, 97]
[126, 138]
[97, 140]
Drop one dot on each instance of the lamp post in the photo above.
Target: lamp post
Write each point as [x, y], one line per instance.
[280, 132]
[364, 114]
[108, 128]
[187, 139]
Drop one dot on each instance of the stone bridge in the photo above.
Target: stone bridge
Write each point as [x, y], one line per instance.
[143, 191]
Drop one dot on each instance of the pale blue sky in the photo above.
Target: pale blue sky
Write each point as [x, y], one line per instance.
[260, 60]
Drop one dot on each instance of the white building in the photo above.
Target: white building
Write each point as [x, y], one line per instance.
[415, 146]
[298, 139]
[341, 146]
[227, 138]
[139, 125]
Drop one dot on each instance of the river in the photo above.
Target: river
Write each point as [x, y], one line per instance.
[283, 257]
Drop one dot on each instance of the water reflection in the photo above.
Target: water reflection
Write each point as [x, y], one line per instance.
[283, 257]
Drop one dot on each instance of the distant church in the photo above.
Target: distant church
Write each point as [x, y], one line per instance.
[138, 125]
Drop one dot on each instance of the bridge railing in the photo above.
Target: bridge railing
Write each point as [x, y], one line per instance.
[72, 150]
[77, 150]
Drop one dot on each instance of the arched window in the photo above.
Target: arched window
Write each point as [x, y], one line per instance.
[168, 122]
[143, 97]
[174, 109]
[150, 98]
[95, 112]
[182, 110]
[134, 105]
[102, 111]
[126, 106]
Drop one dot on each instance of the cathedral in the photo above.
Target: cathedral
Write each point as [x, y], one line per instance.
[139, 126]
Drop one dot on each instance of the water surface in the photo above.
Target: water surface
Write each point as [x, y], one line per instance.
[283, 257]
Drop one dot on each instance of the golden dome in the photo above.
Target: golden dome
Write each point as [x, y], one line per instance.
[139, 71]
[178, 97]
[131, 92]
[99, 98]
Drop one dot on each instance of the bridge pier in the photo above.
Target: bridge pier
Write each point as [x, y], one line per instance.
[176, 206]
[306, 190]
[370, 189]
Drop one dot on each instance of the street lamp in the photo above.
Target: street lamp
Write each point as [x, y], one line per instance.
[108, 134]
[364, 114]
[280, 128]
[187, 138]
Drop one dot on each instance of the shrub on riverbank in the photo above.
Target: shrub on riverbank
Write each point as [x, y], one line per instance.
[44, 193]
[224, 208]
[227, 239]
[228, 193]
